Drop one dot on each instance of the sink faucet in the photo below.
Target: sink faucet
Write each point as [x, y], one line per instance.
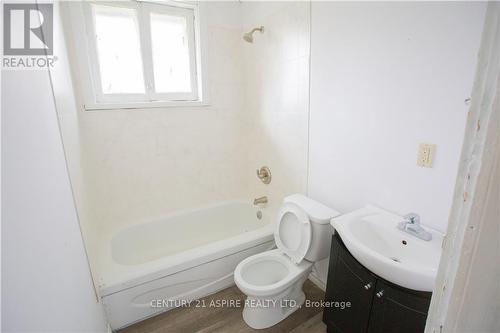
[411, 225]
[261, 200]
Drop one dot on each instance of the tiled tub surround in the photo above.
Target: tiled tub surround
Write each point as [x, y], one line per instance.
[276, 69]
[129, 167]
[140, 165]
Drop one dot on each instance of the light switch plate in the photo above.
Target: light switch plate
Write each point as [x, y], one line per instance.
[425, 155]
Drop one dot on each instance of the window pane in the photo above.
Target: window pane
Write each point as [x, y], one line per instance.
[169, 39]
[118, 50]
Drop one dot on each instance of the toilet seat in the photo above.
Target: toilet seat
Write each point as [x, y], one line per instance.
[250, 275]
[273, 280]
[270, 273]
[293, 232]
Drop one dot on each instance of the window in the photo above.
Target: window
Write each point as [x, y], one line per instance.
[142, 52]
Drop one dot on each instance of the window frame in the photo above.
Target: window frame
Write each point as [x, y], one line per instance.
[189, 16]
[150, 98]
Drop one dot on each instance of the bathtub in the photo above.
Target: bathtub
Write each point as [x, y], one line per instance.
[151, 267]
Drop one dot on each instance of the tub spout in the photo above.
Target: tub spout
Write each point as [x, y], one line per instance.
[261, 200]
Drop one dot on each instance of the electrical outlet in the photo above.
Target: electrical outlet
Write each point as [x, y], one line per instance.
[425, 155]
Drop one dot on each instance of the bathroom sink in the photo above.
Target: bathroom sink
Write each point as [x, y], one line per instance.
[372, 237]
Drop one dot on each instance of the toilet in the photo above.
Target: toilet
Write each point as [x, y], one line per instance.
[273, 280]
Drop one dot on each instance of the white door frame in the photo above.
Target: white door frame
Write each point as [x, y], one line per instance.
[474, 187]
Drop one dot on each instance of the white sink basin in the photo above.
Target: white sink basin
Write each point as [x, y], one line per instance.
[371, 236]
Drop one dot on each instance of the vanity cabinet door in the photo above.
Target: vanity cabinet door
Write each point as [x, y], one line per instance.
[348, 281]
[398, 310]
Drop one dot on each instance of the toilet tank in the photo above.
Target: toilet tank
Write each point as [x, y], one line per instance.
[321, 230]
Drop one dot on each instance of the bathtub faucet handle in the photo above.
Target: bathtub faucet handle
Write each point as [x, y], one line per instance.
[264, 174]
[261, 200]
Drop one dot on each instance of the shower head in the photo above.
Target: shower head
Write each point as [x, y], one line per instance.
[248, 37]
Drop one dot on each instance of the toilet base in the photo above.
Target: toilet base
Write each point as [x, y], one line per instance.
[266, 311]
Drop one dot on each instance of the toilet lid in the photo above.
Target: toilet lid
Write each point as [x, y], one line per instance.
[293, 232]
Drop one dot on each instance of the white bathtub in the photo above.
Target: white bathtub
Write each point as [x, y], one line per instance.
[185, 256]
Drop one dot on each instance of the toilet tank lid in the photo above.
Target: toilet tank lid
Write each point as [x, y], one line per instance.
[317, 212]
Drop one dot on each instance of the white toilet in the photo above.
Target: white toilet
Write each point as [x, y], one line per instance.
[273, 280]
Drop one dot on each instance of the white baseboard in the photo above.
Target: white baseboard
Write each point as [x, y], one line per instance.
[317, 281]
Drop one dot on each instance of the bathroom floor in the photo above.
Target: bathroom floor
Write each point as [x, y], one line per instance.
[227, 319]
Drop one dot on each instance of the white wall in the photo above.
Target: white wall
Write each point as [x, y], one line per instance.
[68, 115]
[46, 285]
[385, 77]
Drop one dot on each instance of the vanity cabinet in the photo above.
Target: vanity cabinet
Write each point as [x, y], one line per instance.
[376, 305]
